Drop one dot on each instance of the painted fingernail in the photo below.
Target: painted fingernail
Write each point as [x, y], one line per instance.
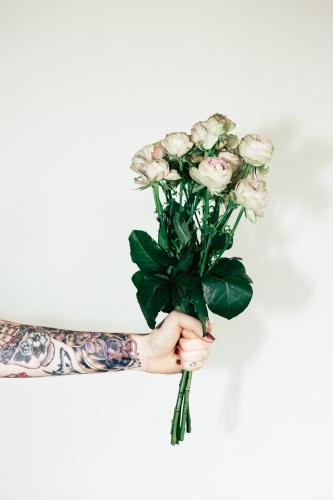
[210, 336]
[178, 362]
[181, 336]
[177, 351]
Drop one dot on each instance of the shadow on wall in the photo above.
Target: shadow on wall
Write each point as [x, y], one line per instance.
[295, 194]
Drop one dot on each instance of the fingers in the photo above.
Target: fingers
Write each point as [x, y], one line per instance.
[190, 344]
[189, 326]
[190, 366]
[199, 355]
[191, 335]
[191, 360]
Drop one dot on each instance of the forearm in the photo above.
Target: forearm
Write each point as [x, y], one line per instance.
[37, 351]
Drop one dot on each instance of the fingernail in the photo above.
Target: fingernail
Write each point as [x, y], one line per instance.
[181, 336]
[210, 336]
[178, 362]
[177, 351]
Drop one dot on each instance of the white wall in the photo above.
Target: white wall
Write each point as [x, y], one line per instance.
[84, 84]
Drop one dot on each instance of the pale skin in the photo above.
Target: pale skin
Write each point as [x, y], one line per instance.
[37, 351]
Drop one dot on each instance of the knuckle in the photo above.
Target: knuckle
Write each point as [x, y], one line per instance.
[173, 314]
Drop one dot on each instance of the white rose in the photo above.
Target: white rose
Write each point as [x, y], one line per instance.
[219, 124]
[177, 143]
[201, 137]
[155, 171]
[255, 150]
[212, 172]
[232, 159]
[251, 194]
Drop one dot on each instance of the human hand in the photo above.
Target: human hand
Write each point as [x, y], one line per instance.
[177, 344]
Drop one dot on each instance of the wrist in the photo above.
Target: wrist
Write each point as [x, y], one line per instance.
[141, 341]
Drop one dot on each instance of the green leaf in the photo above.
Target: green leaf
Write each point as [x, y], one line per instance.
[146, 253]
[189, 281]
[139, 275]
[163, 238]
[200, 307]
[181, 229]
[168, 307]
[194, 283]
[220, 240]
[227, 289]
[186, 260]
[153, 295]
[136, 278]
[196, 187]
[233, 265]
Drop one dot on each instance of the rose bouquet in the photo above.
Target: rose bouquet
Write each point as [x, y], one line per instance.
[198, 181]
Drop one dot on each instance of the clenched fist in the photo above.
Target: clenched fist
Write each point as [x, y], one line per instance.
[176, 344]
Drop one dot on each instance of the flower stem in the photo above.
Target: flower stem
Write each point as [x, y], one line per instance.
[185, 411]
[211, 235]
[246, 171]
[178, 407]
[159, 210]
[205, 221]
[194, 207]
[188, 421]
[231, 235]
[232, 232]
[180, 162]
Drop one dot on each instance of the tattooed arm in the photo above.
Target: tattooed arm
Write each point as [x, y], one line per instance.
[38, 351]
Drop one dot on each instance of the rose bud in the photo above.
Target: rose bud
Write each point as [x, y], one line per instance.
[201, 137]
[255, 150]
[232, 159]
[177, 143]
[251, 195]
[213, 173]
[155, 171]
[219, 124]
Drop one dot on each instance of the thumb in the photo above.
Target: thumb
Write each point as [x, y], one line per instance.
[180, 324]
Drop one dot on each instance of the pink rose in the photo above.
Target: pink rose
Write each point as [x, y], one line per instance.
[255, 150]
[213, 173]
[155, 171]
[154, 151]
[177, 143]
[232, 159]
[201, 137]
[251, 194]
[151, 152]
[219, 124]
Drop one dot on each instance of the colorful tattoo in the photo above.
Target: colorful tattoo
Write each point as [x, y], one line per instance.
[98, 351]
[24, 345]
[36, 347]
